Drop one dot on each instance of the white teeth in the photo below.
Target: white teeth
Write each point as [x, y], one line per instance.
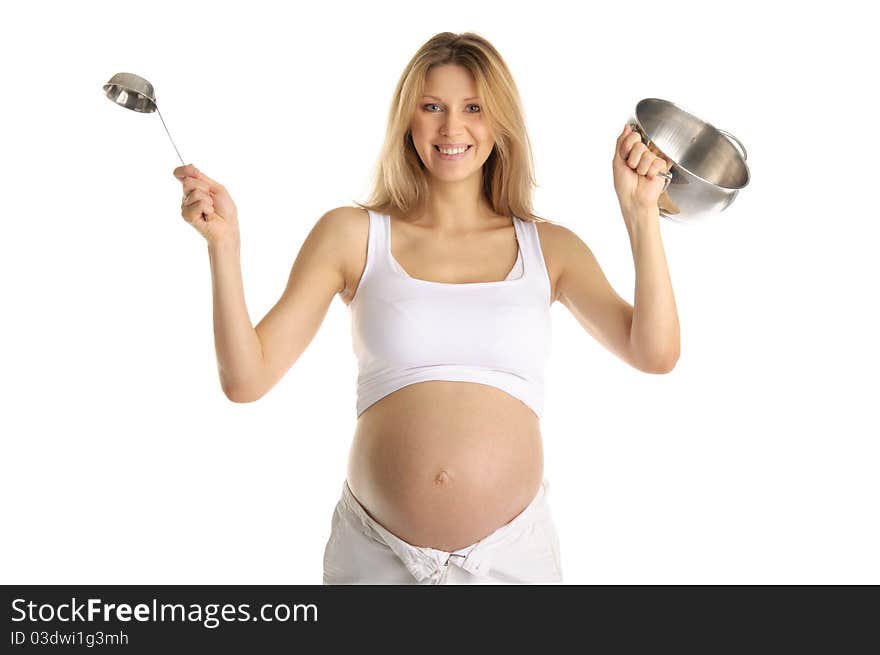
[453, 151]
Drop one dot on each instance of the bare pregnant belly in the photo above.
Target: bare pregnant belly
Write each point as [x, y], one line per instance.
[444, 464]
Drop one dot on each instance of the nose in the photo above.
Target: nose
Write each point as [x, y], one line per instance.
[452, 126]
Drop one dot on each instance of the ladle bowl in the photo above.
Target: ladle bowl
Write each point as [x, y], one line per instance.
[136, 93]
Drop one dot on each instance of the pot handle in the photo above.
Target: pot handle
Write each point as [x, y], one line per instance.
[736, 141]
[668, 177]
[635, 127]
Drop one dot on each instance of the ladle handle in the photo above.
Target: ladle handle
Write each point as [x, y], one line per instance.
[204, 216]
[736, 141]
[169, 135]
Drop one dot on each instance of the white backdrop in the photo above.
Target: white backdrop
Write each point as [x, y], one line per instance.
[754, 461]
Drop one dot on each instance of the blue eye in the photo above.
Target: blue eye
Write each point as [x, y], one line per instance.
[433, 104]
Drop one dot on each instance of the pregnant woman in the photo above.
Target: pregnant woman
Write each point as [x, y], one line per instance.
[449, 277]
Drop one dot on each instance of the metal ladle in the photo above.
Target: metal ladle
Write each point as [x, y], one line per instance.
[134, 92]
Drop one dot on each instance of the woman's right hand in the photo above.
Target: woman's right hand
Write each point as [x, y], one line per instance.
[207, 206]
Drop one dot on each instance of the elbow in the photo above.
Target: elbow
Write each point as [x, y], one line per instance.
[659, 355]
[243, 390]
[660, 362]
[240, 400]
[660, 370]
[239, 397]
[663, 364]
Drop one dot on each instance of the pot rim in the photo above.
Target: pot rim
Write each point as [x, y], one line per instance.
[684, 168]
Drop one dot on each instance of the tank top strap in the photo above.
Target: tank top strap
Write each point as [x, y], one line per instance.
[376, 242]
[530, 246]
[527, 235]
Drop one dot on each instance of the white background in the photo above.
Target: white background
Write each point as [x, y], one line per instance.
[754, 461]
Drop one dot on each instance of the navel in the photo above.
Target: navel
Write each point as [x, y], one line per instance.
[442, 479]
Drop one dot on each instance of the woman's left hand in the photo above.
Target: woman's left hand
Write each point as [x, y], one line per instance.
[635, 168]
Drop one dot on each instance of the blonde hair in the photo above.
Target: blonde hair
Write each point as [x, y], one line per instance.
[400, 182]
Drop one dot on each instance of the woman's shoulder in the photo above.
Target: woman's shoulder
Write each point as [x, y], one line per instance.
[347, 214]
[553, 236]
[348, 223]
[350, 229]
[555, 240]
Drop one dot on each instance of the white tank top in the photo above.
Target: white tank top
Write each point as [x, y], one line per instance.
[406, 330]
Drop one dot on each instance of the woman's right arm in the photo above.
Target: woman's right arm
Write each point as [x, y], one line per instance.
[252, 360]
[238, 347]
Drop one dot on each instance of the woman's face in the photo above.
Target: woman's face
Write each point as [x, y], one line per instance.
[450, 114]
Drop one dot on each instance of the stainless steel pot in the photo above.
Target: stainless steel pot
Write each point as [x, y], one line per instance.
[709, 164]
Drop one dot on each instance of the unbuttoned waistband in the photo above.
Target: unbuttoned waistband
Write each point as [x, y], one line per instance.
[425, 562]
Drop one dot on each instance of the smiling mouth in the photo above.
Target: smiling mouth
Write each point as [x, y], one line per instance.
[437, 148]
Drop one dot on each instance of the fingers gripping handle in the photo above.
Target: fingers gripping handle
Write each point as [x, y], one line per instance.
[653, 148]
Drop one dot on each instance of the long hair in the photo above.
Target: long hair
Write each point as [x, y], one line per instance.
[400, 182]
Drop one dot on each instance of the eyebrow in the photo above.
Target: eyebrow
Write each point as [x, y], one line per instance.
[436, 98]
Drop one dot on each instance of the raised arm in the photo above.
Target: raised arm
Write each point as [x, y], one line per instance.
[583, 288]
[288, 328]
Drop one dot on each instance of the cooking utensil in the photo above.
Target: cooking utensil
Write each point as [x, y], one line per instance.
[134, 92]
[709, 165]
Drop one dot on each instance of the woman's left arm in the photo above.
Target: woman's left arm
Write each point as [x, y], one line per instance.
[654, 333]
[644, 335]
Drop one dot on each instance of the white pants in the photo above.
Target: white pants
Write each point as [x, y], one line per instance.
[523, 551]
